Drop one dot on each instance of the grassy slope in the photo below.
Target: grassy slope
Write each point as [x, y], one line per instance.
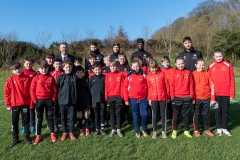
[127, 147]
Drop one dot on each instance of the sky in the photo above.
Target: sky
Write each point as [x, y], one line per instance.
[30, 18]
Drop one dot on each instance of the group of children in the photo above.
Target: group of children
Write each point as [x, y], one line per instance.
[73, 90]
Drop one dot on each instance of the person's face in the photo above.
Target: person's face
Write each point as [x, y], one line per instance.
[79, 74]
[92, 61]
[165, 64]
[180, 64]
[113, 68]
[63, 49]
[28, 65]
[187, 44]
[153, 69]
[140, 46]
[97, 70]
[116, 49]
[135, 66]
[49, 60]
[57, 66]
[106, 61]
[93, 48]
[218, 57]
[17, 71]
[67, 68]
[43, 70]
[200, 66]
[122, 59]
[77, 63]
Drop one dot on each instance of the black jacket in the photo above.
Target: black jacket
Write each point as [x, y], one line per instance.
[67, 89]
[69, 56]
[96, 86]
[98, 59]
[83, 92]
[114, 56]
[141, 53]
[191, 58]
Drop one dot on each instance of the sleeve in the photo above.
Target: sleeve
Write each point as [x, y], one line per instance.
[191, 86]
[106, 88]
[232, 82]
[122, 83]
[212, 91]
[7, 93]
[33, 90]
[125, 89]
[54, 89]
[172, 86]
[167, 86]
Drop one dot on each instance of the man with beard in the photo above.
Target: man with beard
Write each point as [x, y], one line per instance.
[99, 56]
[141, 52]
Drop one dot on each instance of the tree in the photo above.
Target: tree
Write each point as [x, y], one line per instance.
[122, 37]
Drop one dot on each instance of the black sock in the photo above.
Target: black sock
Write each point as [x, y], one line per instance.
[87, 123]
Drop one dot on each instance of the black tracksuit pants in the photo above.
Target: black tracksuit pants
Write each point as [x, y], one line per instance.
[159, 106]
[25, 113]
[98, 109]
[40, 105]
[202, 107]
[221, 113]
[115, 110]
[179, 104]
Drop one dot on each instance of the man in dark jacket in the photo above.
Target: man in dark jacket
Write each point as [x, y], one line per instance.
[189, 54]
[99, 56]
[116, 51]
[141, 52]
[64, 53]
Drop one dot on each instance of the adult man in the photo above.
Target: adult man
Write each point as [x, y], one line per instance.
[141, 52]
[99, 56]
[116, 51]
[189, 54]
[64, 53]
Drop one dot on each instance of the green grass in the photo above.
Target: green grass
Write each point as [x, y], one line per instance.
[128, 147]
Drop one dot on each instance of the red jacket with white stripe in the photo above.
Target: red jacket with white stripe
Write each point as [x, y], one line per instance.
[181, 84]
[43, 87]
[56, 74]
[158, 87]
[113, 84]
[223, 78]
[30, 73]
[16, 91]
[135, 86]
[203, 85]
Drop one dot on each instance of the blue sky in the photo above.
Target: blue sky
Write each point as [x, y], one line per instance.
[29, 18]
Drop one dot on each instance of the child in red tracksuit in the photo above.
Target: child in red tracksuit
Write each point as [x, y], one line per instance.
[181, 91]
[113, 96]
[140, 59]
[168, 70]
[135, 92]
[43, 92]
[158, 96]
[28, 63]
[17, 99]
[223, 78]
[204, 93]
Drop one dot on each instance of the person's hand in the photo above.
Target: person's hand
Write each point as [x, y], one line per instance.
[9, 108]
[127, 103]
[168, 100]
[213, 102]
[231, 98]
[150, 103]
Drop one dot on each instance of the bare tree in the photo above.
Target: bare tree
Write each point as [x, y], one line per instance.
[43, 38]
[146, 32]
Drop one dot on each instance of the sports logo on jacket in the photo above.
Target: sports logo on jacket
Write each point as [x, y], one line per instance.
[140, 77]
[125, 70]
[49, 80]
[185, 76]
[25, 81]
[118, 79]
[223, 68]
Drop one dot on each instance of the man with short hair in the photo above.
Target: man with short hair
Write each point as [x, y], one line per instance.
[99, 56]
[116, 51]
[64, 53]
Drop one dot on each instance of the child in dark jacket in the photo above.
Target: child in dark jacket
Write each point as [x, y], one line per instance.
[96, 86]
[67, 98]
[83, 99]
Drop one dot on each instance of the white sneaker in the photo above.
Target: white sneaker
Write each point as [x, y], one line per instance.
[225, 131]
[219, 132]
[164, 135]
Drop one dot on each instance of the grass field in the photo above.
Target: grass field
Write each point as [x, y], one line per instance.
[128, 147]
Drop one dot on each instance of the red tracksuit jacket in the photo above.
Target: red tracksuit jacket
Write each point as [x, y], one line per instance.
[113, 84]
[56, 74]
[30, 73]
[223, 78]
[181, 84]
[168, 72]
[16, 91]
[43, 87]
[158, 87]
[135, 86]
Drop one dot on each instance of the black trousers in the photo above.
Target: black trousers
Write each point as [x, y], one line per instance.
[115, 110]
[156, 107]
[170, 110]
[68, 110]
[221, 113]
[179, 104]
[32, 117]
[24, 110]
[40, 105]
[202, 107]
[98, 109]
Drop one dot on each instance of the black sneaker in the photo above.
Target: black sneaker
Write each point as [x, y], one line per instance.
[97, 132]
[14, 143]
[28, 141]
[103, 132]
